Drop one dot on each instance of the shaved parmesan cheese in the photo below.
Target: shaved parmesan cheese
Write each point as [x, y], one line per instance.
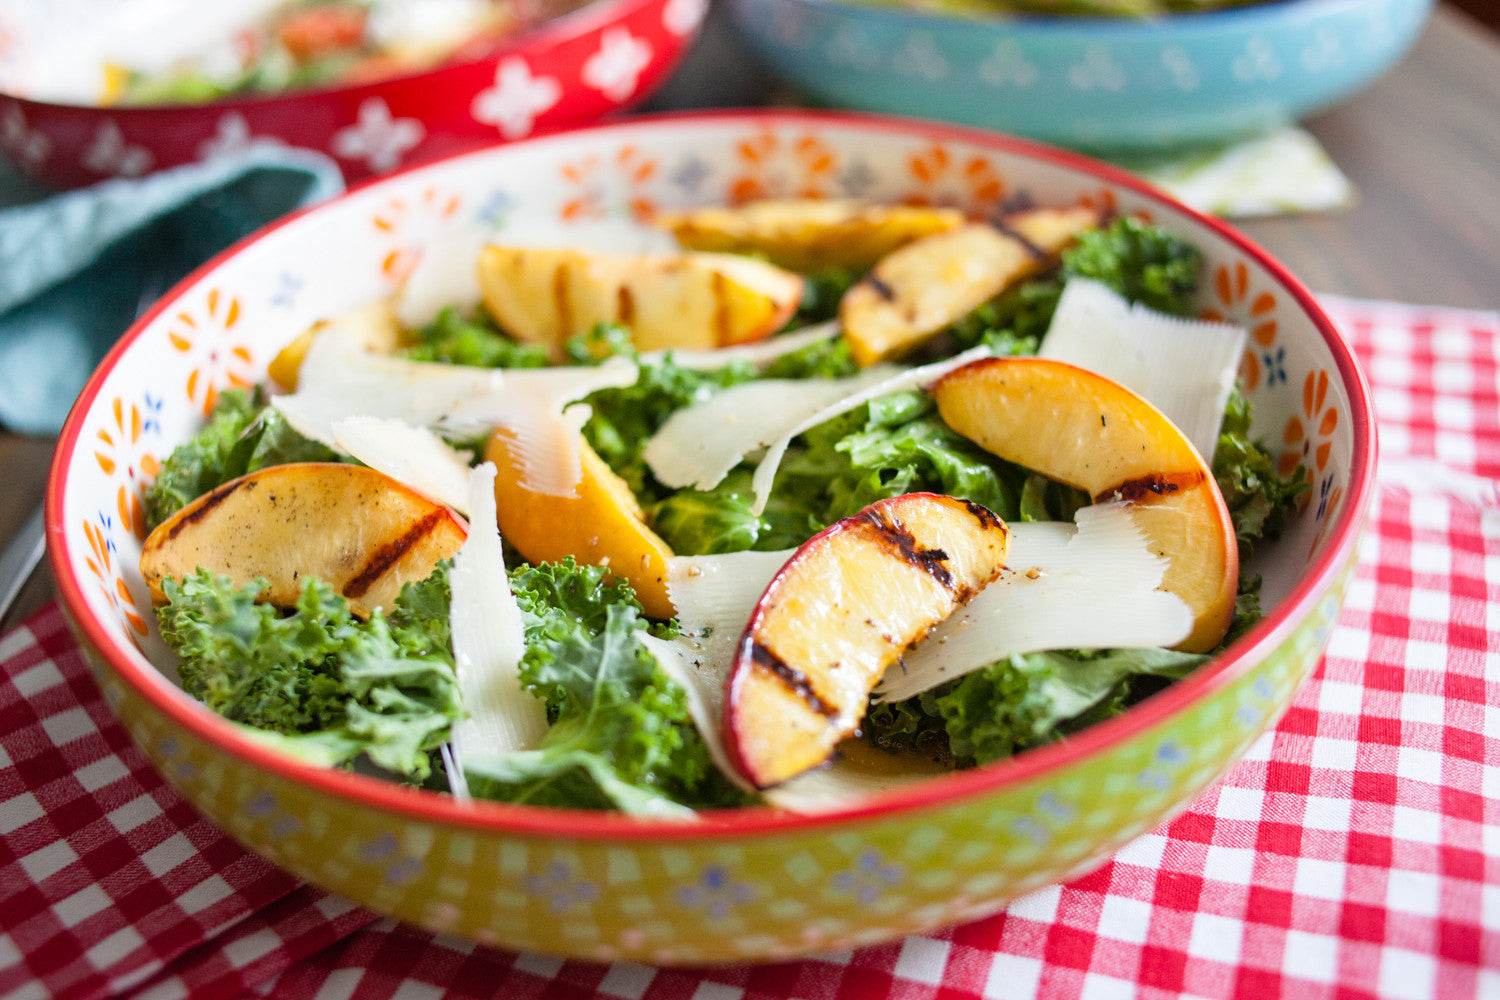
[411, 455]
[760, 352]
[714, 596]
[446, 275]
[699, 444]
[340, 378]
[488, 641]
[911, 378]
[685, 662]
[458, 783]
[833, 787]
[856, 773]
[1091, 588]
[1185, 368]
[537, 406]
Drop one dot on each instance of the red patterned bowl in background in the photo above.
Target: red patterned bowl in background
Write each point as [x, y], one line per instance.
[605, 57]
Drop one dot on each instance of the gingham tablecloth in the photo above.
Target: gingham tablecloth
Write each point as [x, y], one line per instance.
[1355, 852]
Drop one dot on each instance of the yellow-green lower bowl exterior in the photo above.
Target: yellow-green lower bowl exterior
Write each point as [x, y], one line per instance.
[738, 898]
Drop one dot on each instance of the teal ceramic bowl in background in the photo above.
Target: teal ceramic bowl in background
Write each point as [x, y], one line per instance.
[1098, 84]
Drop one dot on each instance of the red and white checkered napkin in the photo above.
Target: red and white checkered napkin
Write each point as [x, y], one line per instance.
[1354, 853]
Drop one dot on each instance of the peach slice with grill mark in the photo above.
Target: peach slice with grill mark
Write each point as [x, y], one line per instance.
[1092, 433]
[808, 234]
[916, 291]
[842, 609]
[691, 301]
[601, 524]
[359, 530]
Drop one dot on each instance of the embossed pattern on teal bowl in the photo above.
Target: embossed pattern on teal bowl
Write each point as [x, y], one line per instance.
[744, 885]
[1087, 83]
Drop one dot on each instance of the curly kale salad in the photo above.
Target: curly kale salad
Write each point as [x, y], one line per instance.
[582, 665]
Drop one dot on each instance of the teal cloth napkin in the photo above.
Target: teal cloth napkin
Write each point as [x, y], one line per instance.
[77, 268]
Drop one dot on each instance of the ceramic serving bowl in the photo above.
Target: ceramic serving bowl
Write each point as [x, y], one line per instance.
[740, 885]
[599, 59]
[1100, 84]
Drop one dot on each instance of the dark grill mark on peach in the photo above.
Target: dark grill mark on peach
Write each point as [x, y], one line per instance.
[383, 558]
[1145, 489]
[879, 287]
[626, 307]
[561, 299]
[208, 503]
[1032, 250]
[1014, 204]
[933, 562]
[961, 596]
[721, 308]
[984, 515]
[796, 681]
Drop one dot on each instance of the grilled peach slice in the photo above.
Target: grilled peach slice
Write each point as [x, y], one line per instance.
[843, 609]
[602, 524]
[929, 284]
[359, 530]
[692, 301]
[808, 234]
[1094, 434]
[1051, 230]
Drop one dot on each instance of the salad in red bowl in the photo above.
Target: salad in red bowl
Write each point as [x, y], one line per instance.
[812, 433]
[295, 44]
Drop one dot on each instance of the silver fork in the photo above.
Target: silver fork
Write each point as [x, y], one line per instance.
[20, 560]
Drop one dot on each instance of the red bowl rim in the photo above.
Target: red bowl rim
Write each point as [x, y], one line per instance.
[945, 790]
[584, 21]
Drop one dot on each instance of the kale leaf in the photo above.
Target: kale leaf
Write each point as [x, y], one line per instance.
[1022, 701]
[456, 339]
[892, 445]
[822, 291]
[623, 419]
[708, 522]
[1261, 501]
[332, 686]
[1142, 262]
[621, 736]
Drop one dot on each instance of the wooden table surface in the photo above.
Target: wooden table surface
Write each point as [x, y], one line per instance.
[1421, 146]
